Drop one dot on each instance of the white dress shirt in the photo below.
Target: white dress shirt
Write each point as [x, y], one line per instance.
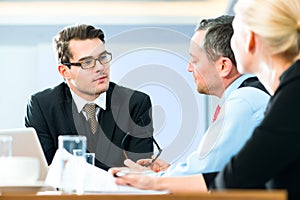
[80, 103]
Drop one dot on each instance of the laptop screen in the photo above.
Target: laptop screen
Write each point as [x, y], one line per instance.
[26, 143]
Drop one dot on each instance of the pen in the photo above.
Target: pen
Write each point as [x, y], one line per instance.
[125, 155]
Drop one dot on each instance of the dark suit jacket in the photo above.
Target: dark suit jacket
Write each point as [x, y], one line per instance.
[271, 157]
[52, 112]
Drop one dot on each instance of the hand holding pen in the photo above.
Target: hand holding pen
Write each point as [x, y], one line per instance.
[156, 165]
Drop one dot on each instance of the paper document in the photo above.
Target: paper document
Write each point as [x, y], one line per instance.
[95, 180]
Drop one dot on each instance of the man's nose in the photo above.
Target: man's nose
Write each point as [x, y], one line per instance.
[190, 67]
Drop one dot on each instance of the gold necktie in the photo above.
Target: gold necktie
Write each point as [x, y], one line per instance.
[90, 109]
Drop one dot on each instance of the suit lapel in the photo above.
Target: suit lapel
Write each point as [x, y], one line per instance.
[68, 108]
[109, 116]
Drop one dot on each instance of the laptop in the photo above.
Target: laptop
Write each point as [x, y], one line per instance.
[26, 143]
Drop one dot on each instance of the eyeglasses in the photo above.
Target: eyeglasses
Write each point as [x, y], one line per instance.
[90, 62]
[152, 160]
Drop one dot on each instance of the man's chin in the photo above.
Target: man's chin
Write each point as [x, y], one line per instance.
[100, 88]
[202, 91]
[98, 92]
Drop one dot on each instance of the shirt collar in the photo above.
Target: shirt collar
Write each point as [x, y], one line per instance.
[80, 102]
[233, 86]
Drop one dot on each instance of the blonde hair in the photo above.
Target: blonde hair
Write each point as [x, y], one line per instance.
[277, 22]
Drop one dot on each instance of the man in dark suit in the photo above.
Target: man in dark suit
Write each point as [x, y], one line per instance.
[120, 122]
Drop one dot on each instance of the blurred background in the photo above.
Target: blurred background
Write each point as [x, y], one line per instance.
[149, 41]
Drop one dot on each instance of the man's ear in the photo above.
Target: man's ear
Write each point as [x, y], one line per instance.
[224, 66]
[64, 71]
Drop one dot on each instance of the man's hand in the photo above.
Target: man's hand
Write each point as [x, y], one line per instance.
[132, 166]
[139, 166]
[137, 180]
[194, 183]
[157, 166]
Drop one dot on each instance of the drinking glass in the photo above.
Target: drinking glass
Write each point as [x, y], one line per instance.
[72, 170]
[89, 157]
[5, 146]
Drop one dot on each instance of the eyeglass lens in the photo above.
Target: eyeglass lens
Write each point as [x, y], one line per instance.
[91, 62]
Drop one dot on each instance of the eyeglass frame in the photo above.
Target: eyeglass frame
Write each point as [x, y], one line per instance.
[152, 160]
[79, 63]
